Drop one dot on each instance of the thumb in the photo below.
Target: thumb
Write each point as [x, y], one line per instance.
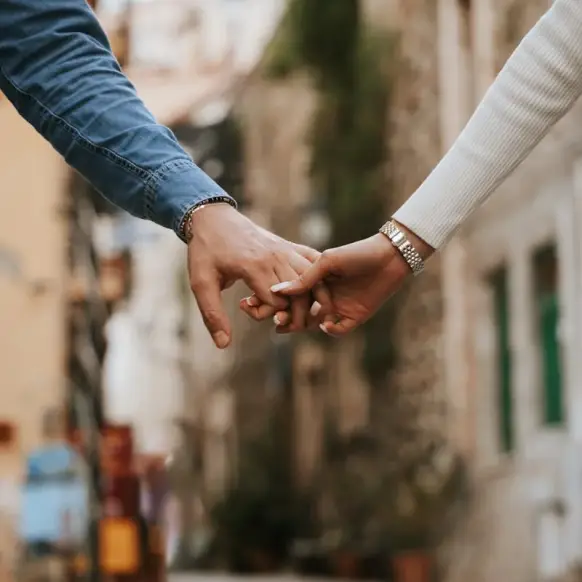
[207, 293]
[320, 269]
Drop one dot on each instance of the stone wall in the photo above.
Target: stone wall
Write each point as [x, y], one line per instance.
[524, 212]
[274, 116]
[413, 150]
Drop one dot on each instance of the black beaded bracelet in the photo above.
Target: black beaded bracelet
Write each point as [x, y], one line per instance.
[185, 229]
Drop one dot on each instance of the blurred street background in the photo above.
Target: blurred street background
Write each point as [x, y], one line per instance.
[441, 442]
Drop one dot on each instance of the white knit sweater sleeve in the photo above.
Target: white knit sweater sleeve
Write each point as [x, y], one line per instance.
[538, 85]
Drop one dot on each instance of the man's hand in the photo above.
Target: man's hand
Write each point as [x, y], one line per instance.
[225, 247]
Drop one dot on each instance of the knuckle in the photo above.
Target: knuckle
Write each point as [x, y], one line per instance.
[277, 256]
[308, 253]
[199, 281]
[211, 318]
[255, 261]
[274, 254]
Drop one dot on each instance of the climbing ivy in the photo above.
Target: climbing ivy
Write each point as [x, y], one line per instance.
[350, 67]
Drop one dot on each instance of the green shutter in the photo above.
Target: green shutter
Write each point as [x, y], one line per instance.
[548, 317]
[505, 393]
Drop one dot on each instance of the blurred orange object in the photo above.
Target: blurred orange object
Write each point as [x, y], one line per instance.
[119, 546]
[413, 566]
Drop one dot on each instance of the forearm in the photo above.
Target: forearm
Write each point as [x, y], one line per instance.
[57, 69]
[538, 85]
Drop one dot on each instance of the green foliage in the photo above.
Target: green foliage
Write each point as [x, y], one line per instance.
[432, 513]
[282, 56]
[328, 34]
[401, 501]
[261, 512]
[353, 492]
[321, 36]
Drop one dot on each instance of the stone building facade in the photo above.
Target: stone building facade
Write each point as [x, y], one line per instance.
[511, 293]
[413, 150]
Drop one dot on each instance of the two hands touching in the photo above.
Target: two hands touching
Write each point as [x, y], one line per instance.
[298, 287]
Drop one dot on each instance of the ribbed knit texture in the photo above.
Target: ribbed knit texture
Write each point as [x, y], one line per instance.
[538, 85]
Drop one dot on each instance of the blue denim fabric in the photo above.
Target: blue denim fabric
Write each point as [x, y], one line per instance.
[57, 68]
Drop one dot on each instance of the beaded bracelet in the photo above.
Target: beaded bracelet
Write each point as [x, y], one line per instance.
[185, 229]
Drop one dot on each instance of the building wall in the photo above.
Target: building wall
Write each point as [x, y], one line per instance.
[515, 519]
[539, 204]
[276, 191]
[33, 232]
[413, 149]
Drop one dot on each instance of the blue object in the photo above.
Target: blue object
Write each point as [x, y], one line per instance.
[54, 498]
[54, 512]
[50, 461]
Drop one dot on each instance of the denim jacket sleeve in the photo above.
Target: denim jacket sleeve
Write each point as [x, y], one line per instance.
[57, 68]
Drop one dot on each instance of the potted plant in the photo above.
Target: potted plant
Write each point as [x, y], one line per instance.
[261, 514]
[351, 495]
[412, 544]
[310, 557]
[421, 518]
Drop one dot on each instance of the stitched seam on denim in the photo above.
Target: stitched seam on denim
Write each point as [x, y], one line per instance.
[78, 137]
[155, 179]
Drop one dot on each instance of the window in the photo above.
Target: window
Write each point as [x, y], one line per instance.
[499, 286]
[547, 317]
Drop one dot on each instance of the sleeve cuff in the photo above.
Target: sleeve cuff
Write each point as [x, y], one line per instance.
[174, 189]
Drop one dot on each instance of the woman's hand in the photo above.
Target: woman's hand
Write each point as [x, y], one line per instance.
[358, 277]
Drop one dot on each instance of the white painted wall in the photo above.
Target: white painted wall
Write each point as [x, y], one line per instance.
[143, 378]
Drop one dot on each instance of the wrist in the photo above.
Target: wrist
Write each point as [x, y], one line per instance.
[193, 214]
[389, 256]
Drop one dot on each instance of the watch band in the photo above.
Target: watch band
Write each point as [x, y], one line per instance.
[404, 247]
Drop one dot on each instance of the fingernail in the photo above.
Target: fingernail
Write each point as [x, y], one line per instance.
[323, 328]
[315, 309]
[281, 286]
[252, 301]
[220, 339]
[276, 320]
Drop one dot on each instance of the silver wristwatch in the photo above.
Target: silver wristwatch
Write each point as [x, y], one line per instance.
[404, 247]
